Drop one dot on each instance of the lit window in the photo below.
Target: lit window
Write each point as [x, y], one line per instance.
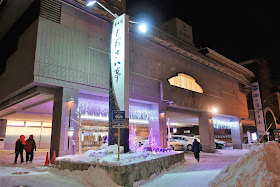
[187, 131]
[185, 81]
[32, 123]
[15, 123]
[45, 124]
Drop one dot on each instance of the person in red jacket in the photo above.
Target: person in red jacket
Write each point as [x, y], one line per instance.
[30, 145]
[19, 146]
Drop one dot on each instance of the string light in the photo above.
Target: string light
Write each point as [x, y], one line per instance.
[152, 140]
[93, 109]
[133, 144]
[218, 124]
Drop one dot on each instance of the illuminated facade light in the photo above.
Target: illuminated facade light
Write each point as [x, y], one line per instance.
[185, 81]
[214, 110]
[254, 136]
[90, 3]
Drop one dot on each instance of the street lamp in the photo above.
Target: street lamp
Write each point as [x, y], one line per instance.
[174, 129]
[90, 3]
[71, 131]
[142, 27]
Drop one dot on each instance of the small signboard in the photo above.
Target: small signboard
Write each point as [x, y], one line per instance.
[118, 117]
[118, 126]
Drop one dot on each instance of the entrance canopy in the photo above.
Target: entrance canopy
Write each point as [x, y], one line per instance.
[36, 108]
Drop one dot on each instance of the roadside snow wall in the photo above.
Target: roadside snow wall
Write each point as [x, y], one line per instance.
[259, 167]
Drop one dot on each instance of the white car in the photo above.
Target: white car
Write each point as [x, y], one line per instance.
[186, 140]
[219, 144]
[143, 141]
[176, 146]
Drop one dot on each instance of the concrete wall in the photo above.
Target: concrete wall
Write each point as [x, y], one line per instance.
[73, 53]
[152, 64]
[20, 65]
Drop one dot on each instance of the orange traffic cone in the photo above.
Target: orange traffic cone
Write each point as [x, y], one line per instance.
[53, 158]
[47, 160]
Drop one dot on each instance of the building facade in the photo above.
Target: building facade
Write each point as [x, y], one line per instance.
[58, 51]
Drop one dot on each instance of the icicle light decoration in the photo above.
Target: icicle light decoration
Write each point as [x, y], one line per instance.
[218, 124]
[100, 109]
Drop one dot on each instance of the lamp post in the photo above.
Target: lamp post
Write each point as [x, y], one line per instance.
[119, 74]
[80, 129]
[71, 131]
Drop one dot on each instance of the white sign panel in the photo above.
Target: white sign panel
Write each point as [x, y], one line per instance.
[258, 108]
[120, 62]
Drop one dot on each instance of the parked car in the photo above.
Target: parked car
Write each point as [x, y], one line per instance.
[144, 141]
[219, 144]
[176, 146]
[186, 140]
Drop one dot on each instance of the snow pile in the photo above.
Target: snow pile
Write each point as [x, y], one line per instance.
[111, 148]
[91, 177]
[108, 155]
[259, 167]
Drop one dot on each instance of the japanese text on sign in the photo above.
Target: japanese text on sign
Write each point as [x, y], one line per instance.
[258, 108]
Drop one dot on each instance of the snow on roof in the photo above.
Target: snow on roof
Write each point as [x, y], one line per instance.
[259, 167]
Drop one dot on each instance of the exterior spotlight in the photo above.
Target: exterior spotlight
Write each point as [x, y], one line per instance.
[70, 100]
[90, 3]
[215, 110]
[143, 28]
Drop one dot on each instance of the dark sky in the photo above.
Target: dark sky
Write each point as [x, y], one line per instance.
[239, 30]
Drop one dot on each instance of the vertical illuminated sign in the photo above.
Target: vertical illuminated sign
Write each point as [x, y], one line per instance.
[256, 96]
[119, 79]
[120, 63]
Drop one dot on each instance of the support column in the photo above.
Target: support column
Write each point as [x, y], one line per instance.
[159, 125]
[236, 136]
[3, 125]
[206, 132]
[60, 124]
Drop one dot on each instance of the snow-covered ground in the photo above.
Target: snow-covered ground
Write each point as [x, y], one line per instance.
[7, 158]
[193, 173]
[190, 173]
[36, 176]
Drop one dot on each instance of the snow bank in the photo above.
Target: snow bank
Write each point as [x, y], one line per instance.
[91, 177]
[108, 155]
[259, 167]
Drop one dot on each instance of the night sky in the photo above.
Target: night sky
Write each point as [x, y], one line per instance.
[239, 30]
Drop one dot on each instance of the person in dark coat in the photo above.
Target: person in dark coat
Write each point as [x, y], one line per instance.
[20, 143]
[196, 148]
[29, 148]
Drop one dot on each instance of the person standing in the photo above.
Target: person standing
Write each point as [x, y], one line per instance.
[29, 148]
[19, 146]
[196, 148]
